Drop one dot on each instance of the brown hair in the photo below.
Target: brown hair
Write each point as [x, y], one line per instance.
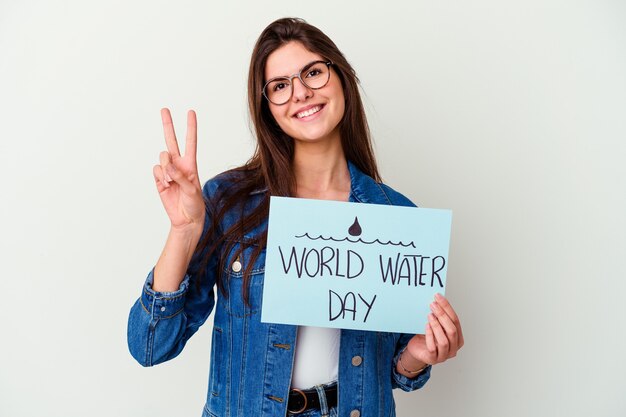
[270, 167]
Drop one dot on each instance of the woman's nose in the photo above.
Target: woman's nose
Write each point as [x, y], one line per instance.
[300, 91]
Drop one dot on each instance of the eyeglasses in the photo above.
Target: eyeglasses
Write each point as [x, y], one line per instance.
[313, 75]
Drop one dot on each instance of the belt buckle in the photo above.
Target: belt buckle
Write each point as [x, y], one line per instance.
[290, 412]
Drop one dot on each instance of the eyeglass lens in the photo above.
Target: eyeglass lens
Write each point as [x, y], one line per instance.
[314, 76]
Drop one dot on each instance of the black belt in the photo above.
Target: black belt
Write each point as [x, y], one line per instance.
[308, 399]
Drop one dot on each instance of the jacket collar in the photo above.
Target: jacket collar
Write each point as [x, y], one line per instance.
[363, 188]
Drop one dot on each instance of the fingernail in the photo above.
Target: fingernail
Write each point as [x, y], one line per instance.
[438, 296]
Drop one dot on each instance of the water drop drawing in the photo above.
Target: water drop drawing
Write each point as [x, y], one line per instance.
[355, 229]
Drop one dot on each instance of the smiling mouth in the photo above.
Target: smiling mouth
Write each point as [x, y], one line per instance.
[309, 112]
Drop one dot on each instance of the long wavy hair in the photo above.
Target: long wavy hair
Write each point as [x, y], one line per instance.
[270, 167]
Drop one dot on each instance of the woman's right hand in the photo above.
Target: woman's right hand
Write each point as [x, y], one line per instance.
[177, 177]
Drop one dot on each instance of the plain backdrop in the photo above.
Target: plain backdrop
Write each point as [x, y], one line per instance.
[510, 113]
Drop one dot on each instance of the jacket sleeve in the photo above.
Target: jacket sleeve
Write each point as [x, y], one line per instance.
[160, 323]
[400, 381]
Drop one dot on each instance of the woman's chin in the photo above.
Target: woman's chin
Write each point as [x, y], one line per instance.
[316, 137]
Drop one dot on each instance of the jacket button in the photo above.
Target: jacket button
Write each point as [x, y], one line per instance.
[163, 309]
[355, 413]
[357, 360]
[236, 266]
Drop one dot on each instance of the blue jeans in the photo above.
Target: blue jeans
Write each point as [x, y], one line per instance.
[318, 413]
[323, 411]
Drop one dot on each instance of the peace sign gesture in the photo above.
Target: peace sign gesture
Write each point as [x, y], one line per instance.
[177, 177]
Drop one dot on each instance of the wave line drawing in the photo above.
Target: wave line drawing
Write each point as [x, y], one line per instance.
[406, 245]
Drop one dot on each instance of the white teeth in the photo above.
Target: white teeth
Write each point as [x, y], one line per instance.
[308, 112]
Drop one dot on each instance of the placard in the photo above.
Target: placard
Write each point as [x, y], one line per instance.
[354, 265]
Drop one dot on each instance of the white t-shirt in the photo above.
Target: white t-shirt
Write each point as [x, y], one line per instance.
[316, 357]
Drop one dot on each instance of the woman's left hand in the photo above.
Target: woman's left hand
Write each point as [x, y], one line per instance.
[443, 337]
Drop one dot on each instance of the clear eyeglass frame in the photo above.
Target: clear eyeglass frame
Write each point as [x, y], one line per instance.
[297, 75]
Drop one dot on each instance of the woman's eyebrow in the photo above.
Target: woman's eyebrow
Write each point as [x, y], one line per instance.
[297, 72]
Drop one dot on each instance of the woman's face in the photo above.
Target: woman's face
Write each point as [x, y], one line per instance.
[310, 115]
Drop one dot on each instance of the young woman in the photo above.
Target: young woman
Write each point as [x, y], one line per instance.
[312, 142]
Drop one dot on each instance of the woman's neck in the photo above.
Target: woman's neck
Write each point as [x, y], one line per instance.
[321, 171]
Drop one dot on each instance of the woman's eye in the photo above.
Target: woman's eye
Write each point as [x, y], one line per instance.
[313, 73]
[279, 86]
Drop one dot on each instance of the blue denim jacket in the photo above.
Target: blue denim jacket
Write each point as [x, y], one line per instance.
[251, 362]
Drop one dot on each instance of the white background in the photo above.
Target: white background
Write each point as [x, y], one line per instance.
[510, 113]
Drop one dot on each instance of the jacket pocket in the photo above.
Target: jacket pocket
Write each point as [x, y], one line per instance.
[234, 275]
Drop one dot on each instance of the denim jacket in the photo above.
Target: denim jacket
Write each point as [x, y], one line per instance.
[251, 362]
